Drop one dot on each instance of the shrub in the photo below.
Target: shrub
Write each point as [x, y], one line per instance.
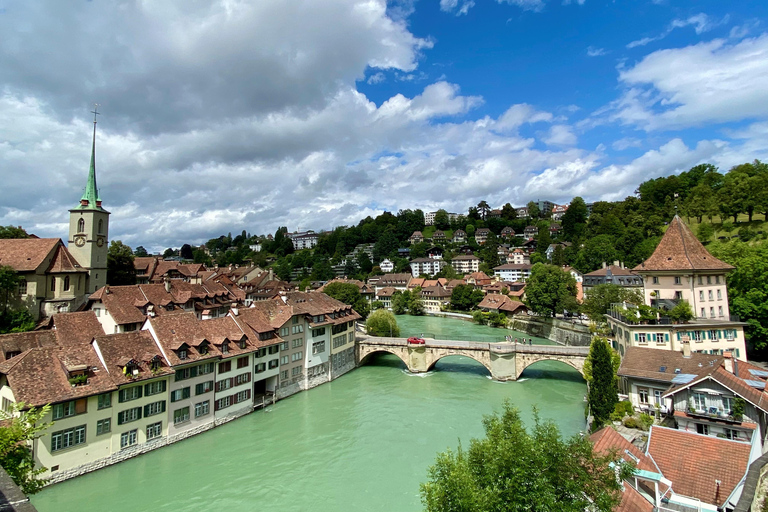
[624, 408]
[382, 323]
[631, 422]
[646, 420]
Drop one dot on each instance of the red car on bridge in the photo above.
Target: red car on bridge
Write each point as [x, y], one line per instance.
[416, 341]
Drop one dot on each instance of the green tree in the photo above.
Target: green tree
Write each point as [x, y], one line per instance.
[120, 269]
[386, 246]
[549, 290]
[442, 220]
[168, 253]
[186, 252]
[705, 232]
[603, 390]
[513, 469]
[596, 251]
[534, 212]
[400, 300]
[574, 219]
[20, 428]
[465, 297]
[598, 300]
[483, 209]
[382, 323]
[348, 293]
[13, 232]
[681, 313]
[140, 252]
[14, 317]
[508, 212]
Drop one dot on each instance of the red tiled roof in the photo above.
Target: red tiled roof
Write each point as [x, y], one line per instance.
[63, 261]
[76, 328]
[26, 254]
[679, 249]
[19, 342]
[695, 462]
[118, 349]
[615, 270]
[646, 363]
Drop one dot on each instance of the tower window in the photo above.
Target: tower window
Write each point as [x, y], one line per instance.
[81, 225]
[101, 226]
[23, 287]
[53, 284]
[66, 283]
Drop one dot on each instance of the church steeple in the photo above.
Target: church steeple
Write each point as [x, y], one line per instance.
[91, 199]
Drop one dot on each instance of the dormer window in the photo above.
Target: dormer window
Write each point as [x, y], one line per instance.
[154, 365]
[182, 353]
[242, 344]
[225, 348]
[203, 349]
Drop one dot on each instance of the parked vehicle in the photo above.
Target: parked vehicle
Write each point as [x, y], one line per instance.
[416, 341]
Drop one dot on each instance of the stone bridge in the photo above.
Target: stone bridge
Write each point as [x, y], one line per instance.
[504, 361]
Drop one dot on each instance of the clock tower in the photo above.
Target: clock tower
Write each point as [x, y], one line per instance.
[89, 228]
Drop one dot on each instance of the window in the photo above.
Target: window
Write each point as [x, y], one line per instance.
[712, 312]
[296, 329]
[242, 362]
[223, 403]
[703, 314]
[105, 400]
[727, 404]
[204, 387]
[678, 295]
[659, 337]
[283, 346]
[261, 367]
[101, 226]
[202, 409]
[713, 335]
[223, 385]
[296, 370]
[719, 310]
[657, 397]
[717, 279]
[242, 396]
[204, 369]
[180, 415]
[153, 388]
[154, 430]
[179, 394]
[23, 287]
[184, 373]
[336, 329]
[696, 335]
[274, 363]
[242, 344]
[318, 332]
[284, 360]
[731, 434]
[701, 294]
[295, 320]
[154, 408]
[642, 393]
[70, 408]
[316, 319]
[103, 426]
[284, 331]
[730, 334]
[53, 284]
[274, 349]
[129, 415]
[182, 354]
[709, 279]
[699, 280]
[80, 225]
[262, 352]
[700, 401]
[719, 294]
[225, 366]
[702, 428]
[284, 374]
[318, 347]
[66, 283]
[641, 337]
[67, 438]
[710, 295]
[339, 341]
[297, 343]
[296, 356]
[7, 405]
[128, 438]
[225, 348]
[202, 349]
[678, 280]
[242, 379]
[128, 394]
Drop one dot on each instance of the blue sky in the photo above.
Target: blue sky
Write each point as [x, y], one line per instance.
[223, 115]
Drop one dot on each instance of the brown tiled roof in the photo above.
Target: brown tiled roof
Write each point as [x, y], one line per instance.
[23, 341]
[26, 254]
[63, 261]
[695, 462]
[435, 291]
[118, 349]
[646, 363]
[465, 257]
[501, 302]
[39, 376]
[178, 329]
[615, 270]
[317, 303]
[392, 279]
[388, 291]
[607, 439]
[679, 249]
[76, 328]
[219, 330]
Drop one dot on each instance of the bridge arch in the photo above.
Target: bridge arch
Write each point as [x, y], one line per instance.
[460, 353]
[575, 363]
[381, 350]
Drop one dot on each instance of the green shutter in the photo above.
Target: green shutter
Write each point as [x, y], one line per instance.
[140, 390]
[737, 352]
[163, 407]
[636, 338]
[120, 417]
[666, 337]
[121, 396]
[185, 393]
[193, 371]
[146, 389]
[719, 334]
[164, 384]
[678, 335]
[139, 408]
[146, 410]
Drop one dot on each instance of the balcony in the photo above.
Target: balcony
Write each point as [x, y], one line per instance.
[714, 414]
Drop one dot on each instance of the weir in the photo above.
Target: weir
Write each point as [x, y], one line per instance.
[504, 361]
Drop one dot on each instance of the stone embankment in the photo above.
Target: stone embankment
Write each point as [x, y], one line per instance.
[560, 331]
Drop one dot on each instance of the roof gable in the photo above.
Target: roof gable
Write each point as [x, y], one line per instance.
[26, 254]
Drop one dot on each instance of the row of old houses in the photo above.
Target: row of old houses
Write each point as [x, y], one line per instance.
[116, 394]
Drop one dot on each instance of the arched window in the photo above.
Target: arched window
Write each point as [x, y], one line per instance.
[101, 226]
[53, 284]
[66, 283]
[81, 225]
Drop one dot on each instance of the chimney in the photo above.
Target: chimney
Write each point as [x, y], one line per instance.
[167, 283]
[106, 289]
[235, 311]
[728, 361]
[686, 350]
[271, 275]
[605, 264]
[616, 263]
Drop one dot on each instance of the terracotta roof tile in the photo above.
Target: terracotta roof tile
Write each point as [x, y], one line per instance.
[63, 261]
[76, 328]
[646, 363]
[679, 249]
[138, 346]
[615, 270]
[26, 254]
[16, 343]
[695, 462]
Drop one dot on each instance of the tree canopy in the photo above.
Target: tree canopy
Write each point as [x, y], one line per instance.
[514, 469]
[465, 297]
[14, 317]
[120, 269]
[603, 387]
[382, 323]
[19, 428]
[550, 290]
[348, 293]
[13, 232]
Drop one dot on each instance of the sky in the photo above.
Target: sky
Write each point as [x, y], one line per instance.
[223, 116]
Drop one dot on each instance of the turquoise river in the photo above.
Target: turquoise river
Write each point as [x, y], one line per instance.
[360, 443]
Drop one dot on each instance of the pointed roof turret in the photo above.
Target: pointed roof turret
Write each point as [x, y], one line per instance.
[91, 199]
[679, 249]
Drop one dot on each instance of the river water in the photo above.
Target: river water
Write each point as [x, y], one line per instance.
[360, 443]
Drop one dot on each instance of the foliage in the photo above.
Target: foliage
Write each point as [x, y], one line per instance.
[120, 269]
[377, 304]
[739, 407]
[603, 389]
[382, 323]
[140, 252]
[574, 219]
[479, 317]
[646, 420]
[624, 408]
[348, 293]
[514, 469]
[615, 361]
[598, 300]
[186, 252]
[533, 210]
[14, 317]
[13, 232]
[407, 301]
[705, 232]
[631, 422]
[681, 313]
[465, 297]
[550, 290]
[21, 427]
[497, 319]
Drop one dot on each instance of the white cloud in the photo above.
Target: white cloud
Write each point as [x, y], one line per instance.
[560, 135]
[458, 7]
[701, 23]
[517, 115]
[526, 5]
[626, 143]
[708, 82]
[376, 78]
[596, 52]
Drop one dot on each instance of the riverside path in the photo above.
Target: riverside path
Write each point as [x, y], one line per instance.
[504, 361]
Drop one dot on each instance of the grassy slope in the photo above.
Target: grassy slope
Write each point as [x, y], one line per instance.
[758, 224]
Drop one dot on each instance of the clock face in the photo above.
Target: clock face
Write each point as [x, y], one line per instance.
[79, 241]
[100, 242]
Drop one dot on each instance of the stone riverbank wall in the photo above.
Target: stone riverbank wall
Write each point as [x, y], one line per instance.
[562, 332]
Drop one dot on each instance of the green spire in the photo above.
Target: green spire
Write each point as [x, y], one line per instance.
[91, 199]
